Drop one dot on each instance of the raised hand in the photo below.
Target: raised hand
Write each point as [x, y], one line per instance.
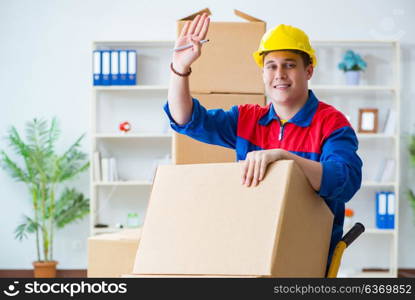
[192, 33]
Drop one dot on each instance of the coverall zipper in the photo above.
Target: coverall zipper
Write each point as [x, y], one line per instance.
[280, 135]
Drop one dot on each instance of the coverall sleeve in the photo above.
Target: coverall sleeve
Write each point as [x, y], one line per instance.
[342, 167]
[214, 126]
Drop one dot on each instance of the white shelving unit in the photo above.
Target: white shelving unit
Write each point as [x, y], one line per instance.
[379, 88]
[138, 151]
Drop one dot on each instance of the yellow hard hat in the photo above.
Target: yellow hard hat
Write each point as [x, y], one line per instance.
[284, 37]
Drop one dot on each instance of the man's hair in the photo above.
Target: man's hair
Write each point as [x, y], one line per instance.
[304, 56]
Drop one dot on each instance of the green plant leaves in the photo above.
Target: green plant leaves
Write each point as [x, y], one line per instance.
[352, 62]
[70, 207]
[44, 171]
[27, 226]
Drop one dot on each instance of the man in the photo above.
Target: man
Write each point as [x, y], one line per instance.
[296, 125]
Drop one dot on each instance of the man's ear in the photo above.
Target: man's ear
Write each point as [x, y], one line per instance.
[310, 71]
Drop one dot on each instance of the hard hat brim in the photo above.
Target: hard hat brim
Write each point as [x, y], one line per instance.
[259, 59]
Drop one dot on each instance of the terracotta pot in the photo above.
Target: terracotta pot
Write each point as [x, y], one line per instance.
[45, 269]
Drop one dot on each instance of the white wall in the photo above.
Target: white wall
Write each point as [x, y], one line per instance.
[45, 58]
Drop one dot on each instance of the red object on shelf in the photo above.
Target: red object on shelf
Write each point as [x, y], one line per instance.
[349, 212]
[125, 126]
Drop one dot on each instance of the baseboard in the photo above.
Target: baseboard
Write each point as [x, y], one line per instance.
[81, 273]
[70, 273]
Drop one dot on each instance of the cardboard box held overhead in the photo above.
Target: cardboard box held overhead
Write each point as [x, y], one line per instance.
[202, 222]
[189, 151]
[226, 64]
[112, 254]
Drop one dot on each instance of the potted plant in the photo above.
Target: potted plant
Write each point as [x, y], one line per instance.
[44, 171]
[352, 65]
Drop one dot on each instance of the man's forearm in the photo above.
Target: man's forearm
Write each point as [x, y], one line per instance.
[313, 170]
[179, 98]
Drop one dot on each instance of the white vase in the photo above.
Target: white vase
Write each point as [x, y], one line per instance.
[352, 77]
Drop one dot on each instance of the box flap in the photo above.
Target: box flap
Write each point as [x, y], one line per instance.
[201, 220]
[192, 16]
[246, 16]
[236, 12]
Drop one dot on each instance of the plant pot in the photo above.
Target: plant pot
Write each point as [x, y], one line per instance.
[45, 269]
[352, 77]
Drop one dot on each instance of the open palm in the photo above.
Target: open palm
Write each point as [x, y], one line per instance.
[192, 33]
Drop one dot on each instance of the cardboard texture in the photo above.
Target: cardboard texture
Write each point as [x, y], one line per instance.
[112, 254]
[202, 222]
[189, 151]
[226, 64]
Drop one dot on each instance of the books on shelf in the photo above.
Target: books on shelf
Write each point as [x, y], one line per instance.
[390, 123]
[114, 67]
[105, 169]
[386, 171]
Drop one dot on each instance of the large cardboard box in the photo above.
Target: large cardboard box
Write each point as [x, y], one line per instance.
[202, 222]
[226, 64]
[112, 254]
[189, 151]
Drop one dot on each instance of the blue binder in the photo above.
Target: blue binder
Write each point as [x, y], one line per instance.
[115, 70]
[96, 67]
[132, 67]
[106, 67]
[381, 206]
[123, 67]
[390, 215]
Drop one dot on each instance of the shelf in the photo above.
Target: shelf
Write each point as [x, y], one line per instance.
[124, 183]
[379, 231]
[332, 42]
[352, 88]
[372, 231]
[163, 88]
[162, 44]
[133, 136]
[376, 136]
[378, 184]
[381, 274]
[105, 230]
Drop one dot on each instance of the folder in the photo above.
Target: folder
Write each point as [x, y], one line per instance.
[115, 71]
[390, 124]
[381, 203]
[132, 67]
[105, 167]
[123, 67]
[106, 61]
[96, 67]
[390, 216]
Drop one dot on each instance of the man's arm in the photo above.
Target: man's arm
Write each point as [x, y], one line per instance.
[257, 161]
[179, 98]
[313, 170]
[336, 177]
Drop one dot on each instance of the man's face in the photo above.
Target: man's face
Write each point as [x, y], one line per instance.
[285, 77]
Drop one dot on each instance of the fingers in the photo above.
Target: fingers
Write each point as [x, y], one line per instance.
[184, 29]
[200, 24]
[262, 170]
[250, 172]
[193, 25]
[203, 32]
[257, 169]
[244, 171]
[254, 168]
